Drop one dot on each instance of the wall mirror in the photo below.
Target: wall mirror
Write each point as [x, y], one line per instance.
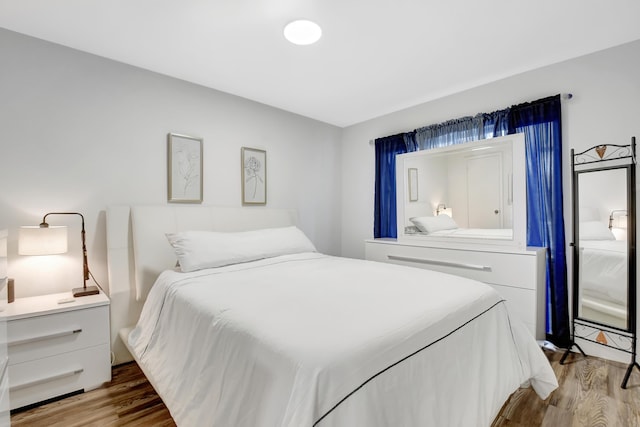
[602, 245]
[479, 186]
[604, 257]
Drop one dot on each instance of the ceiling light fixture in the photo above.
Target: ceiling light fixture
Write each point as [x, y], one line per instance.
[302, 32]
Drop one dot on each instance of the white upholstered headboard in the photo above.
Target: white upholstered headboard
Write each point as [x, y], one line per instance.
[138, 251]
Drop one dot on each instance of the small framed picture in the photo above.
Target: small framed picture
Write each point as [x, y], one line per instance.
[184, 168]
[413, 184]
[254, 176]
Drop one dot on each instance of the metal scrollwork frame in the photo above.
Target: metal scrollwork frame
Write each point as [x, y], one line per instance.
[603, 153]
[604, 157]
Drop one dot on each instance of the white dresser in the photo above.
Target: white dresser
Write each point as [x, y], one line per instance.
[56, 347]
[518, 275]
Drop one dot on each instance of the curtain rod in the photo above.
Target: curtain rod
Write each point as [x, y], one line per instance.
[564, 96]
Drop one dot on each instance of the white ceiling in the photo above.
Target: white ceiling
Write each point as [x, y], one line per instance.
[375, 56]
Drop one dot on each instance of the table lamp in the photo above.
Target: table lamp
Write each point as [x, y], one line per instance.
[442, 209]
[50, 240]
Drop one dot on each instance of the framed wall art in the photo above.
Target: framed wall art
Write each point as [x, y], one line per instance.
[254, 176]
[184, 168]
[413, 184]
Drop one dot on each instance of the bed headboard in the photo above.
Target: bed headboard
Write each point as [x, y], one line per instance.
[138, 251]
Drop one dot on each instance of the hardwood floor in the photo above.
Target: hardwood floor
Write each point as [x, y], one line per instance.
[589, 396]
[128, 400]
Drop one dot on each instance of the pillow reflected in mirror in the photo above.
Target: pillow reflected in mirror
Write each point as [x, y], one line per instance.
[431, 224]
[595, 230]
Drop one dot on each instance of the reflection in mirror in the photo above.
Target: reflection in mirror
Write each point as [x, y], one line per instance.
[413, 184]
[479, 186]
[602, 246]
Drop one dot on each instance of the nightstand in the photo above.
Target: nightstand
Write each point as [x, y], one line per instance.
[57, 348]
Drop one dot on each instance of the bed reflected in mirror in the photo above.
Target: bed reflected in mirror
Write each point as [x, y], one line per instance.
[603, 262]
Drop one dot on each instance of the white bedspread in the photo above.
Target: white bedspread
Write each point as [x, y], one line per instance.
[604, 269]
[308, 339]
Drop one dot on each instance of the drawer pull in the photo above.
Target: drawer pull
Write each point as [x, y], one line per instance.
[46, 380]
[44, 337]
[442, 263]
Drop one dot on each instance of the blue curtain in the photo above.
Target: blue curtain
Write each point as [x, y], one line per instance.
[540, 121]
[449, 133]
[480, 126]
[496, 123]
[385, 224]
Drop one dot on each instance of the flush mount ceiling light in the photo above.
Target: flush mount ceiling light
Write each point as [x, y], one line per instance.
[302, 32]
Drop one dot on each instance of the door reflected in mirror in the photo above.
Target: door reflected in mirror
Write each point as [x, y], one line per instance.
[603, 262]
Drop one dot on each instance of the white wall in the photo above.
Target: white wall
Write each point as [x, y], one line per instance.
[605, 109]
[432, 186]
[80, 132]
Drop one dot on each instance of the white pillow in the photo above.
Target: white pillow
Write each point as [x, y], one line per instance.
[208, 249]
[595, 230]
[430, 224]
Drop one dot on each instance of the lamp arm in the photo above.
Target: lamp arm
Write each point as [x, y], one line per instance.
[85, 263]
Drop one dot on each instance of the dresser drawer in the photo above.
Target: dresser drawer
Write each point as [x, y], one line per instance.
[489, 267]
[43, 336]
[53, 376]
[517, 275]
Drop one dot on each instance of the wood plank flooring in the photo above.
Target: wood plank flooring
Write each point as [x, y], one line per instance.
[128, 400]
[589, 396]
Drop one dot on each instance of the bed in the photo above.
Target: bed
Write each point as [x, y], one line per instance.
[292, 337]
[603, 281]
[445, 226]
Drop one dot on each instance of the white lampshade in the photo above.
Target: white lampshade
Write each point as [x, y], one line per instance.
[35, 240]
[620, 221]
[446, 211]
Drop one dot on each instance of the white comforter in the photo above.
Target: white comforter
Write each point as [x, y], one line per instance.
[604, 269]
[308, 339]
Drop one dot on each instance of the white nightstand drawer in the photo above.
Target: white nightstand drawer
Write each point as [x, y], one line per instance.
[42, 336]
[43, 379]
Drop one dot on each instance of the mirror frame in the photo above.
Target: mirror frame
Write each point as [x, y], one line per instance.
[625, 340]
[517, 189]
[631, 260]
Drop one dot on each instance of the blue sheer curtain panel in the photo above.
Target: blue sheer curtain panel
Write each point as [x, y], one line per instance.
[540, 121]
[449, 133]
[385, 224]
[465, 129]
[495, 124]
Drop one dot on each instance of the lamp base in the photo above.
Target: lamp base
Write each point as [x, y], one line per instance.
[83, 292]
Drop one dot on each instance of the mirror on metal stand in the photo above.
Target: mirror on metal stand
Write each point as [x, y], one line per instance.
[604, 254]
